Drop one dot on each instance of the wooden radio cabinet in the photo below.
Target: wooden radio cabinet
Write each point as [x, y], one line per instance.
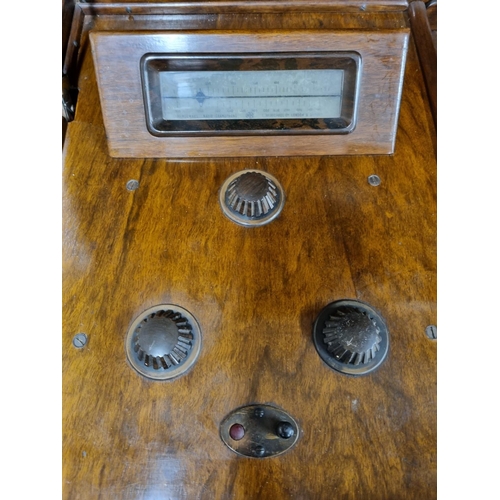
[226, 214]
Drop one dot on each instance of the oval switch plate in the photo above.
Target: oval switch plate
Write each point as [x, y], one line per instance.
[259, 431]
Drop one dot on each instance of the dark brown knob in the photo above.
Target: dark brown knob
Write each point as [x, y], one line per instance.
[351, 337]
[251, 198]
[163, 342]
[285, 430]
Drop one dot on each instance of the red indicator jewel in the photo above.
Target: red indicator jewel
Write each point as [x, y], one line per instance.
[237, 431]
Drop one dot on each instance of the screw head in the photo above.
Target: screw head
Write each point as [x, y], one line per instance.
[374, 180]
[258, 412]
[79, 340]
[285, 430]
[132, 185]
[431, 332]
[259, 451]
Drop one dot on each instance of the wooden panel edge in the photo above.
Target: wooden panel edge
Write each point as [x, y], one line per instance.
[256, 6]
[421, 31]
[71, 52]
[360, 142]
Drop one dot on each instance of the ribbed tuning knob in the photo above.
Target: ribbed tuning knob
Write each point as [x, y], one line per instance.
[351, 337]
[251, 198]
[163, 342]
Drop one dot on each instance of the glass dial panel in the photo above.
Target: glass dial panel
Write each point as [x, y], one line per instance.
[249, 94]
[239, 95]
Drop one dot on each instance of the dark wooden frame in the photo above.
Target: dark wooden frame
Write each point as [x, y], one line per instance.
[119, 77]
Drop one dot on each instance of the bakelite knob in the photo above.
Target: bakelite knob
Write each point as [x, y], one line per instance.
[163, 342]
[285, 430]
[251, 198]
[156, 336]
[351, 337]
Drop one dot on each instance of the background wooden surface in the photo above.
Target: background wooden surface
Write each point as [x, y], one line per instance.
[255, 293]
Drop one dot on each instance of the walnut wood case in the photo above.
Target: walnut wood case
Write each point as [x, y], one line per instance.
[255, 292]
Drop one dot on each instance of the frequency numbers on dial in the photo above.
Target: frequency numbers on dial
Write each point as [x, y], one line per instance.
[231, 95]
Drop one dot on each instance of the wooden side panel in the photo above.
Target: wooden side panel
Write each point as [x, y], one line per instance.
[426, 50]
[68, 7]
[255, 293]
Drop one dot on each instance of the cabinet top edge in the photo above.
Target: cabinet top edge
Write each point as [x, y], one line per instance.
[107, 7]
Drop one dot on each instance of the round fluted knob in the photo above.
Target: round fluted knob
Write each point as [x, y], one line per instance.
[163, 342]
[156, 336]
[351, 337]
[251, 198]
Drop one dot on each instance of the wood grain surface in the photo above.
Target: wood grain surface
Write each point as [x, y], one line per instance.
[383, 55]
[431, 9]
[68, 8]
[256, 293]
[426, 49]
[223, 6]
[124, 17]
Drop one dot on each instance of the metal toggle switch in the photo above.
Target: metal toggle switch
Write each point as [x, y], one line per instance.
[259, 431]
